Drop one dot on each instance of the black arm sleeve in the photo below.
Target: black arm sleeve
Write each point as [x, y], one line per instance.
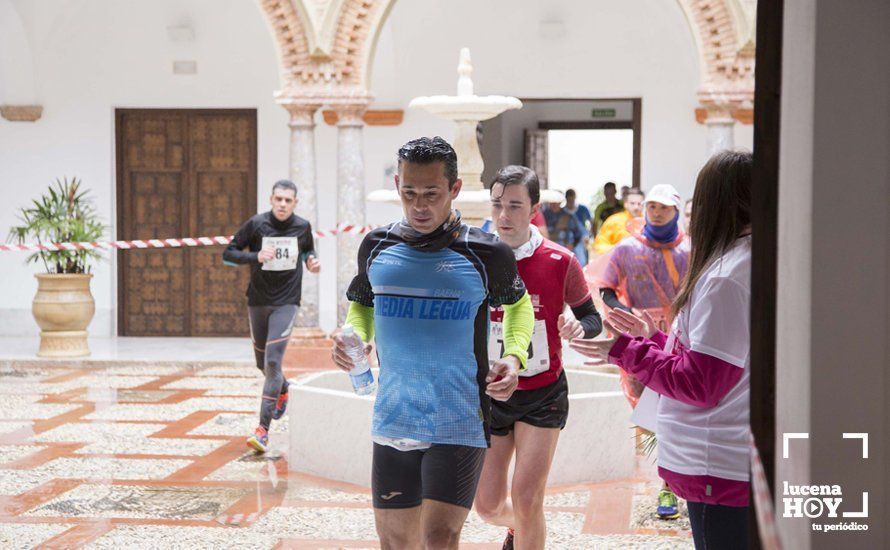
[589, 318]
[611, 299]
[307, 244]
[235, 252]
[360, 290]
[505, 286]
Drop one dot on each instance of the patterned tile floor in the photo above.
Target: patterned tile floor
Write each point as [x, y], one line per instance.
[152, 456]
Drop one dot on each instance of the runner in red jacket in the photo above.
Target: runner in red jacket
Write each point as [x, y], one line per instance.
[529, 422]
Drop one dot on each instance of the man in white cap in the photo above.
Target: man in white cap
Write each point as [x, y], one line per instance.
[643, 273]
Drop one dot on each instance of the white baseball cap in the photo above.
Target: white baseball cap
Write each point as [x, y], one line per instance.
[665, 194]
[552, 195]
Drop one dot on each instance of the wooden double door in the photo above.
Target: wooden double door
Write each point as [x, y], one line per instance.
[183, 173]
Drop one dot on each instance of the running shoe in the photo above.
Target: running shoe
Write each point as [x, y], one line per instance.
[259, 441]
[280, 406]
[667, 504]
[508, 542]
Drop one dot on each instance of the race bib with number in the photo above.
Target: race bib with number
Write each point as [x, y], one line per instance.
[538, 349]
[287, 253]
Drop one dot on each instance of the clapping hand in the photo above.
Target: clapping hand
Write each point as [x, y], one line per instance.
[598, 350]
[634, 325]
[569, 329]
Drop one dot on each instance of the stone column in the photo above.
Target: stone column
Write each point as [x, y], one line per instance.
[720, 131]
[302, 173]
[717, 112]
[350, 195]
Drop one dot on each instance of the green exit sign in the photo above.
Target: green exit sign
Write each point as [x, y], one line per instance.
[602, 113]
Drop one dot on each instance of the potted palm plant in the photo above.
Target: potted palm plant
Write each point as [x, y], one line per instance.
[63, 306]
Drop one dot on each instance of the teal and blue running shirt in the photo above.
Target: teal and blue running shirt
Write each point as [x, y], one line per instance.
[431, 314]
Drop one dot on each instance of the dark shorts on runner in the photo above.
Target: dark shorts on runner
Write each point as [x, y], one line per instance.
[546, 407]
[446, 473]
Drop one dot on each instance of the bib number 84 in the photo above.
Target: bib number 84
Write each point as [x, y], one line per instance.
[287, 252]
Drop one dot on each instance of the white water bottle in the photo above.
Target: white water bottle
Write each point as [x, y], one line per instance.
[361, 376]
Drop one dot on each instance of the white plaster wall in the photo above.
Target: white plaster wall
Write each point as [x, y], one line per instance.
[795, 263]
[16, 73]
[90, 56]
[834, 263]
[851, 282]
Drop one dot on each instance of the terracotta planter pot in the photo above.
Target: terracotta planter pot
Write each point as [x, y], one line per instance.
[63, 308]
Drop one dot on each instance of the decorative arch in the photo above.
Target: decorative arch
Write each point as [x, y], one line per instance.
[290, 41]
[716, 28]
[326, 47]
[724, 34]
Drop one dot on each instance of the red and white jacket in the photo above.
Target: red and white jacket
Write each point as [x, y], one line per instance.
[554, 279]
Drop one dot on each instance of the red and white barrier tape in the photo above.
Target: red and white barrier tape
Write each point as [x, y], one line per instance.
[344, 228]
[164, 243]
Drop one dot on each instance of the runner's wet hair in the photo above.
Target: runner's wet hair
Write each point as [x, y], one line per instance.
[429, 150]
[285, 184]
[721, 210]
[515, 174]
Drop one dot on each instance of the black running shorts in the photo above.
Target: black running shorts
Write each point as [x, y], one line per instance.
[447, 473]
[546, 407]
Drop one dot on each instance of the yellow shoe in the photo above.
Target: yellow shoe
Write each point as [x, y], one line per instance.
[259, 441]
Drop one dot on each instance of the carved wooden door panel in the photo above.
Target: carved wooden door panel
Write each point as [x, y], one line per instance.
[183, 173]
[536, 154]
[223, 175]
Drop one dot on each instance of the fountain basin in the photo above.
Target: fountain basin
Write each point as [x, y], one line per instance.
[465, 197]
[468, 108]
[330, 430]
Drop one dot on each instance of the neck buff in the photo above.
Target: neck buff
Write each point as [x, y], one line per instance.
[528, 248]
[663, 234]
[438, 239]
[278, 224]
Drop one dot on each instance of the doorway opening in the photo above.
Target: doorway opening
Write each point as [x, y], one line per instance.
[596, 140]
[584, 160]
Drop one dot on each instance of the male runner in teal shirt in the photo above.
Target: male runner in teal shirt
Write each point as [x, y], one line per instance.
[423, 291]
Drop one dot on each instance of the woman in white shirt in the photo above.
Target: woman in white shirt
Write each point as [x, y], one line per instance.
[701, 370]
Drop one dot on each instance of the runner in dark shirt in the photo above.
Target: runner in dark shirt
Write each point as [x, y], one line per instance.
[275, 244]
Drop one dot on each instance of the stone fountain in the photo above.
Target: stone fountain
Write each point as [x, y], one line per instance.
[330, 426]
[330, 430]
[466, 110]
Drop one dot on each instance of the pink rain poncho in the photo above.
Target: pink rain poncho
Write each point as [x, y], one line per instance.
[645, 275]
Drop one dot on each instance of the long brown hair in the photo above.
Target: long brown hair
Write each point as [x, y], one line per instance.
[721, 209]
